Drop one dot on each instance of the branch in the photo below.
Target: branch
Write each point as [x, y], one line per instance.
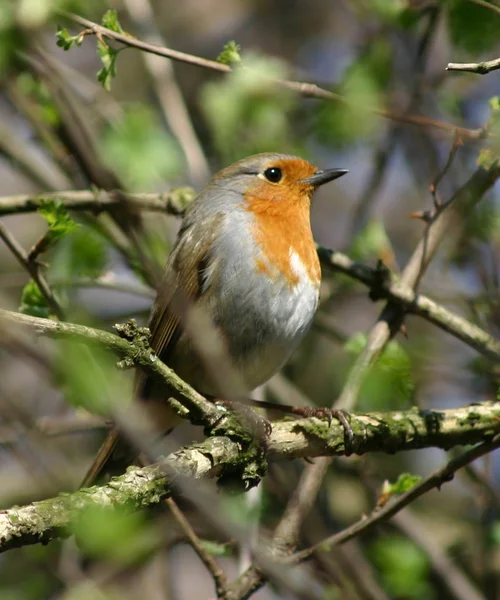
[173, 202]
[136, 353]
[33, 269]
[381, 283]
[481, 68]
[216, 456]
[433, 481]
[307, 90]
[384, 285]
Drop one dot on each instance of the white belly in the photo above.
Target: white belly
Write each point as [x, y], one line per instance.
[264, 322]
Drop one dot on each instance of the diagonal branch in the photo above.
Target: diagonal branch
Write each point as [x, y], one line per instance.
[433, 481]
[307, 90]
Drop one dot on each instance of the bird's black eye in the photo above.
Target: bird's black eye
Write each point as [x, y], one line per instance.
[273, 174]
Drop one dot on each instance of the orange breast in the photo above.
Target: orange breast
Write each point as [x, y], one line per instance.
[282, 227]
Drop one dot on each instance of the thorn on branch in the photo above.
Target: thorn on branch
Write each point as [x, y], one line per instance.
[381, 278]
[424, 215]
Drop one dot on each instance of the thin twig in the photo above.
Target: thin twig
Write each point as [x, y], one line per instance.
[482, 68]
[307, 90]
[454, 578]
[457, 142]
[488, 5]
[433, 481]
[168, 92]
[33, 269]
[218, 575]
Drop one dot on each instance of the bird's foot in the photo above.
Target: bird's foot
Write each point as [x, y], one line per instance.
[329, 413]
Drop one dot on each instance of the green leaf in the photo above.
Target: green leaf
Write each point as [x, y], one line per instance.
[59, 221]
[110, 21]
[115, 534]
[372, 242]
[364, 87]
[472, 28]
[81, 254]
[108, 58]
[67, 41]
[403, 566]
[230, 53]
[247, 114]
[140, 149]
[389, 383]
[404, 482]
[91, 379]
[33, 301]
[217, 549]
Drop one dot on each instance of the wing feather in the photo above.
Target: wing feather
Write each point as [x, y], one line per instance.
[183, 282]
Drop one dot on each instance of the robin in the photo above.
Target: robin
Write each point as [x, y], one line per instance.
[246, 255]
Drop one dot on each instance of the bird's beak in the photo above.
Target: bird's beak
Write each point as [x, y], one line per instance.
[321, 177]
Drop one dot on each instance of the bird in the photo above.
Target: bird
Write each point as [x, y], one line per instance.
[245, 254]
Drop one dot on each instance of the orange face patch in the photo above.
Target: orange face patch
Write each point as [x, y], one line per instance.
[282, 215]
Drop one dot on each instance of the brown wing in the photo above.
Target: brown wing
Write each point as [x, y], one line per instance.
[183, 282]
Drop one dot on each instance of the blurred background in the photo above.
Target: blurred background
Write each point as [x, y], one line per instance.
[109, 117]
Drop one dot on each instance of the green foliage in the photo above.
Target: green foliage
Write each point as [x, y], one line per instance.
[246, 112]
[472, 28]
[67, 41]
[33, 301]
[81, 254]
[59, 221]
[107, 54]
[38, 91]
[110, 21]
[372, 242]
[90, 379]
[108, 57]
[388, 10]
[404, 482]
[495, 529]
[140, 150]
[364, 87]
[115, 534]
[230, 53]
[403, 566]
[389, 384]
[217, 549]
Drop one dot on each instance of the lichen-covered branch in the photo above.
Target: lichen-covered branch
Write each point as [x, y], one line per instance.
[221, 456]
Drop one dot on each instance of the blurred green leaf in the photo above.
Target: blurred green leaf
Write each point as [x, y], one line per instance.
[495, 530]
[230, 53]
[472, 28]
[59, 221]
[115, 534]
[364, 87]
[372, 242]
[83, 253]
[216, 549]
[388, 10]
[108, 57]
[33, 302]
[247, 113]
[90, 378]
[389, 383]
[403, 566]
[38, 91]
[110, 21]
[140, 149]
